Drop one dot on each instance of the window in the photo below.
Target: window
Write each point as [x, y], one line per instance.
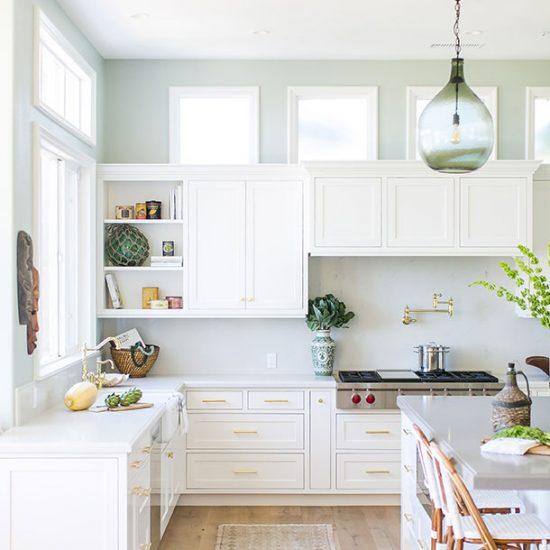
[332, 123]
[214, 125]
[65, 85]
[63, 253]
[419, 96]
[538, 124]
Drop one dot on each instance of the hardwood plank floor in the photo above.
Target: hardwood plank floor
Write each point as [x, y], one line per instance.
[365, 527]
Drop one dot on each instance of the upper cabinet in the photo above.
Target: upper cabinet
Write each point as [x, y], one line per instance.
[401, 208]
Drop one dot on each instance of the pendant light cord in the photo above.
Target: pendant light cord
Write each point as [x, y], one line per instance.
[456, 30]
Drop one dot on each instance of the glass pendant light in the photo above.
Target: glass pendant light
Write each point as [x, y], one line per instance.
[455, 130]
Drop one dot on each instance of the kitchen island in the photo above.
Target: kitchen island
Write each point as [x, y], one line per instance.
[459, 424]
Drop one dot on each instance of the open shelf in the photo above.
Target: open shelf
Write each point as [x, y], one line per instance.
[140, 313]
[143, 222]
[108, 268]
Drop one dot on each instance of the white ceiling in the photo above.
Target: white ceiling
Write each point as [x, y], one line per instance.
[310, 29]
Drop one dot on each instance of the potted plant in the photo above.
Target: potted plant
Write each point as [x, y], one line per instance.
[532, 292]
[324, 313]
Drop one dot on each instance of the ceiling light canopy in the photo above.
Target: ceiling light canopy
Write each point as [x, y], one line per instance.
[455, 130]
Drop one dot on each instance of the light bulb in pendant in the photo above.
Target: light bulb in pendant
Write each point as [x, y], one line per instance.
[455, 134]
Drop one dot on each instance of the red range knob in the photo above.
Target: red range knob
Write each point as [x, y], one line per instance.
[370, 399]
[356, 399]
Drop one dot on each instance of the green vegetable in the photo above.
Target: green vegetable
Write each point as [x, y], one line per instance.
[326, 312]
[130, 397]
[112, 400]
[525, 432]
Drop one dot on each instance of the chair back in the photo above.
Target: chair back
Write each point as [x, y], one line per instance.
[456, 496]
[426, 463]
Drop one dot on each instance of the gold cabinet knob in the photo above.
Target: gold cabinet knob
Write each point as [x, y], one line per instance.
[320, 400]
[170, 454]
[251, 299]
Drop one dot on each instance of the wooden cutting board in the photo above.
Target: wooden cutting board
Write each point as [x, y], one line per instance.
[538, 450]
[133, 407]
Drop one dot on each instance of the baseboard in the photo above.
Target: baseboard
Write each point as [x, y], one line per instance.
[288, 500]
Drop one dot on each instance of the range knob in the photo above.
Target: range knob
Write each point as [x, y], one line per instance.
[356, 399]
[370, 398]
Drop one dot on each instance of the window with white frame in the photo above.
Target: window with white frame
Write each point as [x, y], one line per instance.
[418, 98]
[538, 123]
[65, 84]
[214, 125]
[63, 253]
[332, 123]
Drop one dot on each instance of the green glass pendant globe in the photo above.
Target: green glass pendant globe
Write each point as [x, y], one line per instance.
[455, 130]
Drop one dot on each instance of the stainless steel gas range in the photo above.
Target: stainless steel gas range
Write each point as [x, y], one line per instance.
[379, 389]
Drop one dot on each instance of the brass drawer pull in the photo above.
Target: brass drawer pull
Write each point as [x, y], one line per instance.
[275, 400]
[239, 431]
[408, 469]
[377, 471]
[377, 432]
[170, 454]
[136, 464]
[140, 491]
[245, 471]
[214, 400]
[408, 517]
[147, 450]
[406, 432]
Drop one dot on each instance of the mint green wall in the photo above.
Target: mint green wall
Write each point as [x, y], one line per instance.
[136, 121]
[25, 115]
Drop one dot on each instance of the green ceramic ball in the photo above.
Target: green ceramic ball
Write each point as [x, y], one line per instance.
[125, 245]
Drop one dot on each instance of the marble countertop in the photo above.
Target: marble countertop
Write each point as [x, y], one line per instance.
[258, 380]
[459, 424]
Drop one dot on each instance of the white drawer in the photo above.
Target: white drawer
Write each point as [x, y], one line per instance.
[245, 431]
[206, 400]
[368, 431]
[245, 471]
[372, 471]
[274, 400]
[141, 452]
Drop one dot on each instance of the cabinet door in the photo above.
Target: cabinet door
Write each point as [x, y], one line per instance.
[420, 212]
[493, 212]
[348, 212]
[274, 251]
[49, 504]
[216, 266]
[320, 439]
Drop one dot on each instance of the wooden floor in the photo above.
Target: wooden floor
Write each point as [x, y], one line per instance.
[368, 528]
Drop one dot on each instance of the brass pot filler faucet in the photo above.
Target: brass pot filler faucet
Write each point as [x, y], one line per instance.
[436, 302]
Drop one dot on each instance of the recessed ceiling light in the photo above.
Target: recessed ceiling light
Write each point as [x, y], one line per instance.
[261, 32]
[475, 32]
[141, 16]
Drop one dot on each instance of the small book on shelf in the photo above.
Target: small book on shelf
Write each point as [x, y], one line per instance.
[114, 292]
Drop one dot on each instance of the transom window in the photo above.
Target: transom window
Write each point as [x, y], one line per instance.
[332, 123]
[65, 83]
[418, 98]
[538, 123]
[214, 125]
[63, 254]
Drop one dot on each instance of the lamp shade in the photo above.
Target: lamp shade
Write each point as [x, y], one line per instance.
[455, 130]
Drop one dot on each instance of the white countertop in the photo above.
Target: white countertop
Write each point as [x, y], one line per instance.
[261, 380]
[459, 424]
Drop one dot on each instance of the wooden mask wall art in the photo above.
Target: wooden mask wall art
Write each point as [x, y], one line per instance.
[28, 286]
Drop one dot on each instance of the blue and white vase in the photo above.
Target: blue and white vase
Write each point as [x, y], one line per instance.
[322, 353]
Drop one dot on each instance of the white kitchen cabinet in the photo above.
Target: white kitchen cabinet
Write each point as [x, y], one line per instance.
[348, 211]
[49, 503]
[320, 439]
[274, 248]
[420, 212]
[216, 245]
[493, 211]
[246, 247]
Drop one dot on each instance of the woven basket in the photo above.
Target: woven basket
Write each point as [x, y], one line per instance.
[124, 362]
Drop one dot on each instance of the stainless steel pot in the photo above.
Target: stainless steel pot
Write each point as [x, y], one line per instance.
[431, 357]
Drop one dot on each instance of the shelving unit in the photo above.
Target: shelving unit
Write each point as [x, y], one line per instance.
[120, 187]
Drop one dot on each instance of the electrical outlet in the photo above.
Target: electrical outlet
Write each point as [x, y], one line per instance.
[271, 360]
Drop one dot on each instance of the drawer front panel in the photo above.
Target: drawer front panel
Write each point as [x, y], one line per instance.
[373, 471]
[274, 400]
[141, 451]
[214, 400]
[245, 471]
[368, 431]
[245, 431]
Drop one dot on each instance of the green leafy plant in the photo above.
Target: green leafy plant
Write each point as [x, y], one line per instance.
[326, 312]
[525, 432]
[532, 291]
